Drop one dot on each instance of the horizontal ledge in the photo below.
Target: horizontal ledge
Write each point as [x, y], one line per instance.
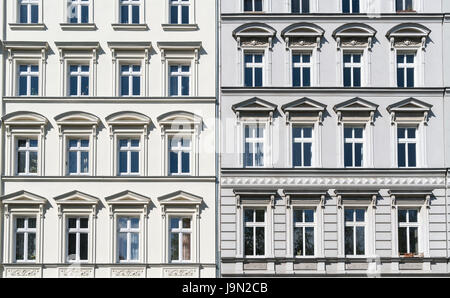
[125, 100]
[331, 89]
[17, 26]
[381, 17]
[98, 265]
[130, 27]
[71, 26]
[179, 27]
[107, 179]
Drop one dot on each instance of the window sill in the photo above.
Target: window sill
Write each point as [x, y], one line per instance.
[179, 27]
[130, 27]
[80, 27]
[17, 26]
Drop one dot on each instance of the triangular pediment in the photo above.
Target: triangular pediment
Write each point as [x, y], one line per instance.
[409, 30]
[23, 197]
[180, 198]
[409, 105]
[356, 104]
[303, 104]
[254, 29]
[24, 118]
[77, 118]
[127, 198]
[354, 30]
[302, 29]
[128, 118]
[254, 104]
[76, 198]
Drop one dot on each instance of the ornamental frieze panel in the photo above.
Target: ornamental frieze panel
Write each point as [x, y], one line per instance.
[180, 272]
[354, 42]
[76, 272]
[254, 42]
[128, 272]
[300, 42]
[407, 42]
[23, 272]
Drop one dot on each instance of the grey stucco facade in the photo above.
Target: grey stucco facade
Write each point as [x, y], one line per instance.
[381, 185]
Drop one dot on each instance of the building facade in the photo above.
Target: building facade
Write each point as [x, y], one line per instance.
[108, 131]
[334, 154]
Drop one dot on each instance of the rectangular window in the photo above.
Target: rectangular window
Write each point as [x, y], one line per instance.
[28, 11]
[79, 80]
[253, 5]
[129, 151]
[408, 231]
[78, 11]
[179, 78]
[28, 80]
[254, 145]
[27, 156]
[78, 157]
[130, 80]
[300, 6]
[352, 70]
[405, 70]
[130, 11]
[77, 239]
[25, 235]
[180, 239]
[180, 155]
[350, 6]
[304, 232]
[179, 11]
[355, 227]
[353, 146]
[404, 5]
[407, 146]
[128, 239]
[254, 232]
[253, 70]
[302, 142]
[301, 70]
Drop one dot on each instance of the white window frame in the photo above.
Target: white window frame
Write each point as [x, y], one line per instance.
[128, 231]
[266, 6]
[361, 7]
[254, 141]
[78, 74]
[313, 4]
[304, 225]
[353, 65]
[421, 143]
[26, 149]
[302, 140]
[354, 141]
[16, 17]
[28, 74]
[408, 225]
[19, 58]
[179, 149]
[405, 66]
[354, 224]
[254, 225]
[180, 231]
[78, 149]
[78, 231]
[302, 65]
[140, 3]
[416, 6]
[130, 149]
[179, 4]
[131, 74]
[419, 62]
[26, 231]
[253, 66]
[79, 4]
[407, 141]
[179, 75]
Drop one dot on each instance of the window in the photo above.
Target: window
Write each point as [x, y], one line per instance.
[25, 239]
[407, 146]
[300, 6]
[28, 80]
[302, 146]
[78, 157]
[304, 232]
[179, 80]
[180, 239]
[404, 5]
[254, 232]
[179, 11]
[253, 5]
[79, 80]
[77, 239]
[253, 70]
[130, 11]
[29, 11]
[350, 6]
[355, 226]
[301, 70]
[254, 145]
[27, 156]
[130, 80]
[408, 231]
[180, 155]
[128, 239]
[129, 150]
[353, 146]
[405, 70]
[78, 11]
[352, 70]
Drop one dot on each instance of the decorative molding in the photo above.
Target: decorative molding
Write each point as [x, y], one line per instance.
[23, 272]
[128, 272]
[180, 272]
[76, 272]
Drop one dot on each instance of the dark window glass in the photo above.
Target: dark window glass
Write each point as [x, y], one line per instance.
[349, 240]
[259, 241]
[248, 241]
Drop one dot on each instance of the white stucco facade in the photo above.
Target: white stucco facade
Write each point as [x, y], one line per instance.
[151, 189]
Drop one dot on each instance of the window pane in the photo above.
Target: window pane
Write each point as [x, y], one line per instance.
[259, 157]
[413, 243]
[357, 77]
[124, 14]
[360, 213]
[402, 241]
[307, 132]
[258, 77]
[259, 241]
[134, 246]
[31, 246]
[23, 85]
[186, 246]
[358, 154]
[123, 162]
[20, 223]
[136, 85]
[306, 77]
[305, 6]
[72, 222]
[401, 155]
[185, 14]
[32, 223]
[84, 222]
[258, 5]
[173, 162]
[186, 223]
[358, 132]
[309, 241]
[248, 215]
[248, 77]
[123, 222]
[122, 244]
[84, 14]
[174, 223]
[309, 215]
[360, 241]
[295, 6]
[34, 86]
[260, 215]
[399, 4]
[307, 154]
[72, 162]
[346, 6]
[174, 14]
[173, 86]
[296, 77]
[134, 162]
[84, 162]
[33, 162]
[348, 132]
[349, 240]
[248, 241]
[135, 143]
[185, 161]
[248, 155]
[174, 246]
[349, 214]
[401, 133]
[72, 246]
[23, 14]
[411, 155]
[20, 242]
[83, 246]
[410, 77]
[248, 6]
[21, 162]
[347, 77]
[297, 154]
[348, 155]
[298, 215]
[402, 215]
[298, 241]
[124, 83]
[84, 85]
[185, 86]
[412, 215]
[73, 85]
[135, 223]
[135, 11]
